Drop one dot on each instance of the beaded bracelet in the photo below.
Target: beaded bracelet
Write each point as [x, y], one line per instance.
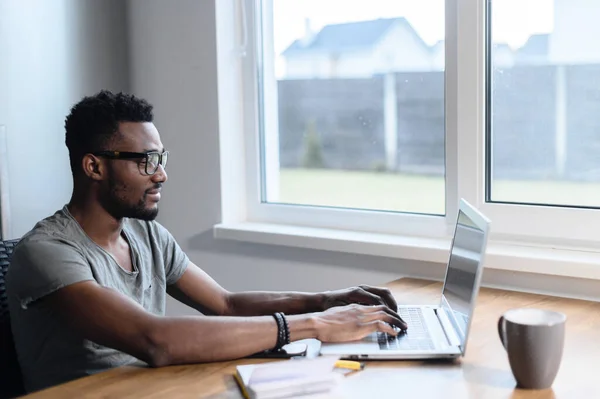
[283, 331]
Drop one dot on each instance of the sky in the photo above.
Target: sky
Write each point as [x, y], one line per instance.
[513, 20]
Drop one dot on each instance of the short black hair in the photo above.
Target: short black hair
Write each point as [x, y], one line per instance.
[94, 121]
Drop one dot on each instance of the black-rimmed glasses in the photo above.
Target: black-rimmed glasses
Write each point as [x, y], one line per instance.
[150, 160]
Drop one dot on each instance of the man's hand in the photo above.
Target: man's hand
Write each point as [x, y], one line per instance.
[354, 322]
[363, 295]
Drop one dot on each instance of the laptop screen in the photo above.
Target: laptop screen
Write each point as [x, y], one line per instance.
[462, 273]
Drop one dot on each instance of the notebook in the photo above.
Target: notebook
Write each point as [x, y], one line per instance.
[309, 378]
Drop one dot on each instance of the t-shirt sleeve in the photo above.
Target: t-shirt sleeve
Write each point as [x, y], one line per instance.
[40, 267]
[176, 261]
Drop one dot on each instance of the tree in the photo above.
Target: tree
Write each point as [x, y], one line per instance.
[313, 151]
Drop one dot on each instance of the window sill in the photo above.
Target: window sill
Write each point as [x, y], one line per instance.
[532, 258]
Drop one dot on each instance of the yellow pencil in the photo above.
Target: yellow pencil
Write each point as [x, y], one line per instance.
[349, 364]
[242, 386]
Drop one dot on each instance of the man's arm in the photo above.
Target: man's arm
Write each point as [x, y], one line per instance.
[114, 320]
[264, 302]
[197, 289]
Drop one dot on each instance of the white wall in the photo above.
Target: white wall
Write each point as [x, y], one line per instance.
[438, 56]
[174, 66]
[53, 52]
[503, 57]
[400, 50]
[308, 66]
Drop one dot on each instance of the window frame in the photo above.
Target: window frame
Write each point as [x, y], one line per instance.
[566, 227]
[532, 226]
[439, 226]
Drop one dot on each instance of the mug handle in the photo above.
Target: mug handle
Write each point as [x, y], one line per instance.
[502, 331]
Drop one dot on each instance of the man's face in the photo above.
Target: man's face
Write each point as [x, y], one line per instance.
[129, 191]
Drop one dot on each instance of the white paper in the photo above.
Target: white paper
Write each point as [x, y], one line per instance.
[293, 369]
[291, 378]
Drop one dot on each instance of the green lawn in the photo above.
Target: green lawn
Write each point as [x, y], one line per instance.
[413, 193]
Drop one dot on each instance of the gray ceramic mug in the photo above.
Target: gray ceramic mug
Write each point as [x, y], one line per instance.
[534, 340]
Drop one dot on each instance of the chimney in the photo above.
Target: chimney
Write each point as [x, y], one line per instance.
[309, 34]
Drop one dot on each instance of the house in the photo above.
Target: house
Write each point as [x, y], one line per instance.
[503, 56]
[366, 48]
[534, 51]
[358, 49]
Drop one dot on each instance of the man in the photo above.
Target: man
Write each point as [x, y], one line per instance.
[87, 286]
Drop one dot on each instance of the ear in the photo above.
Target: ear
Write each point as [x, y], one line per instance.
[93, 167]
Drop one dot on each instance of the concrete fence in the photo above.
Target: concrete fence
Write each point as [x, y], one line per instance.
[545, 122]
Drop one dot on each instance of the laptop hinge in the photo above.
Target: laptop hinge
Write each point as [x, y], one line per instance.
[447, 327]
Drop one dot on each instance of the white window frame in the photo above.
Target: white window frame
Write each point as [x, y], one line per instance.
[551, 225]
[541, 239]
[332, 218]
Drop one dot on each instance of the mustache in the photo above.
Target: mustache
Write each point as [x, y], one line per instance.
[157, 186]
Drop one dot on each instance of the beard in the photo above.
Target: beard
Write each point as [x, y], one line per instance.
[119, 208]
[137, 211]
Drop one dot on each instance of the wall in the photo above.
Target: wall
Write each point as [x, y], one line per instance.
[401, 50]
[53, 53]
[304, 66]
[173, 57]
[353, 64]
[349, 114]
[345, 114]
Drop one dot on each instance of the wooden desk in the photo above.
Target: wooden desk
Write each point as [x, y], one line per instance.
[483, 373]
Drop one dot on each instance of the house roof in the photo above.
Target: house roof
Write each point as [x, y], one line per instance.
[350, 36]
[536, 45]
[501, 46]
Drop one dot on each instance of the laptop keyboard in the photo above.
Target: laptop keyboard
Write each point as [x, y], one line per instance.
[415, 338]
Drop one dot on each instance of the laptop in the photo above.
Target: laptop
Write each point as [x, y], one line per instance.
[441, 331]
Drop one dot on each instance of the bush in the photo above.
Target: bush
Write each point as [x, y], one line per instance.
[379, 167]
[313, 150]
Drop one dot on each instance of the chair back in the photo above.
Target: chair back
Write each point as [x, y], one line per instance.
[11, 382]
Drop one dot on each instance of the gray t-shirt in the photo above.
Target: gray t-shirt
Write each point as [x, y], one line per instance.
[57, 253]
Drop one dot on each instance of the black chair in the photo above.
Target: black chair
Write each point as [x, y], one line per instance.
[11, 382]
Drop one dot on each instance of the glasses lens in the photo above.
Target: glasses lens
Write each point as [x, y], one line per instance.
[152, 163]
[165, 157]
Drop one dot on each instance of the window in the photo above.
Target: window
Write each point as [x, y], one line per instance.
[541, 166]
[353, 111]
[380, 115]
[4, 205]
[350, 134]
[544, 89]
